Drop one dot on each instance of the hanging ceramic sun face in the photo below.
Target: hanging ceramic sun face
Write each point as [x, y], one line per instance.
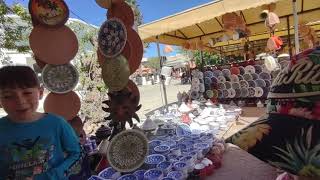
[50, 13]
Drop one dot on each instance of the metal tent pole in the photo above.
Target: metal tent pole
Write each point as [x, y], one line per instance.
[296, 27]
[161, 79]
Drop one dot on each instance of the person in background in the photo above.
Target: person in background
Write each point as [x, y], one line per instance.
[33, 145]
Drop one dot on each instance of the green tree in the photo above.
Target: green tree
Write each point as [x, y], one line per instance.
[209, 58]
[153, 62]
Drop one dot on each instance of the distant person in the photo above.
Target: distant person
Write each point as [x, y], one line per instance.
[33, 145]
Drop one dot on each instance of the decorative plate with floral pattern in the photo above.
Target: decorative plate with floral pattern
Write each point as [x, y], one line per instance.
[50, 13]
[112, 37]
[60, 78]
[127, 150]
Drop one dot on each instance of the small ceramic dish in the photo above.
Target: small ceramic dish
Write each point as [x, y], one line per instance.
[153, 160]
[128, 177]
[140, 174]
[249, 69]
[153, 174]
[109, 173]
[176, 175]
[94, 177]
[162, 149]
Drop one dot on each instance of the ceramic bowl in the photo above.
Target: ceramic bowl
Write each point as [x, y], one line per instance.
[162, 149]
[252, 83]
[154, 159]
[128, 177]
[183, 129]
[153, 174]
[168, 178]
[140, 174]
[109, 173]
[155, 143]
[96, 178]
[165, 166]
[176, 175]
[181, 166]
[169, 143]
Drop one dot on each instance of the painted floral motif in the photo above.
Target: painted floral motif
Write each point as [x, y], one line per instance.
[249, 136]
[300, 157]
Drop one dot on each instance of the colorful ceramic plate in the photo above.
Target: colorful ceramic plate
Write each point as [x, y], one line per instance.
[53, 46]
[252, 83]
[249, 69]
[183, 130]
[238, 93]
[115, 73]
[260, 83]
[234, 78]
[247, 77]
[231, 93]
[60, 78]
[207, 80]
[235, 70]
[208, 74]
[52, 13]
[127, 150]
[209, 93]
[244, 92]
[194, 95]
[66, 105]
[242, 70]
[258, 92]
[254, 76]
[258, 69]
[265, 75]
[244, 84]
[112, 37]
[122, 11]
[225, 93]
[251, 92]
[136, 50]
[227, 84]
[226, 72]
[235, 85]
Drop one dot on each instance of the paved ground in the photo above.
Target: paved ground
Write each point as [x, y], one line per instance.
[151, 96]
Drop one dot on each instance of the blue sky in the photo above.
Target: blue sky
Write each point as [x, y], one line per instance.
[151, 10]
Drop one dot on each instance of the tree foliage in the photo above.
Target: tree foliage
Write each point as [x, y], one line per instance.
[209, 58]
[153, 62]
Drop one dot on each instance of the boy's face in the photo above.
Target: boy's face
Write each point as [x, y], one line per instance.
[21, 103]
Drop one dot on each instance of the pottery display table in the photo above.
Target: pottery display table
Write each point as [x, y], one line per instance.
[237, 164]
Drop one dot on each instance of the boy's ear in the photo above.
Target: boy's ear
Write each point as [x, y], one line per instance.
[41, 89]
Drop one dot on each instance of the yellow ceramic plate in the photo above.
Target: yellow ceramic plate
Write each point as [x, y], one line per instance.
[115, 73]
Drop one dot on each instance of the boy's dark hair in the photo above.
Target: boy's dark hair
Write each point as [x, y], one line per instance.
[18, 77]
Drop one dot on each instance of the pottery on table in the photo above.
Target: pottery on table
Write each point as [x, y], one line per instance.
[154, 159]
[128, 177]
[153, 174]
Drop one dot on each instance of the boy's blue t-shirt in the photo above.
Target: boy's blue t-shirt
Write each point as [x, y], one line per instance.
[45, 149]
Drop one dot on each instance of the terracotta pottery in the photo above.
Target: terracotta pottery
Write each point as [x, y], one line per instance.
[104, 3]
[132, 87]
[115, 73]
[65, 105]
[53, 46]
[40, 63]
[136, 50]
[50, 13]
[123, 11]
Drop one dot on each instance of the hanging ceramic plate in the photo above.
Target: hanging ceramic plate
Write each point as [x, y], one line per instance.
[104, 3]
[221, 79]
[217, 73]
[133, 50]
[209, 93]
[258, 92]
[115, 73]
[225, 93]
[238, 93]
[60, 78]
[112, 37]
[214, 80]
[127, 150]
[260, 83]
[268, 83]
[52, 13]
[244, 92]
[247, 77]
[207, 80]
[208, 74]
[251, 92]
[244, 84]
[235, 85]
[194, 95]
[227, 84]
[235, 70]
[221, 86]
[254, 76]
[234, 78]
[232, 93]
[53, 46]
[121, 10]
[66, 105]
[240, 77]
[220, 94]
[258, 69]
[265, 75]
[226, 72]
[242, 70]
[249, 69]
[252, 83]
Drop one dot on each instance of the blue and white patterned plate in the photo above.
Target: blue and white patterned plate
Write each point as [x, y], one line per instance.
[183, 129]
[175, 175]
[128, 177]
[155, 159]
[109, 173]
[153, 174]
[112, 37]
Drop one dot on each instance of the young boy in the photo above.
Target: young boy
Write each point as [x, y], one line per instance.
[33, 145]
